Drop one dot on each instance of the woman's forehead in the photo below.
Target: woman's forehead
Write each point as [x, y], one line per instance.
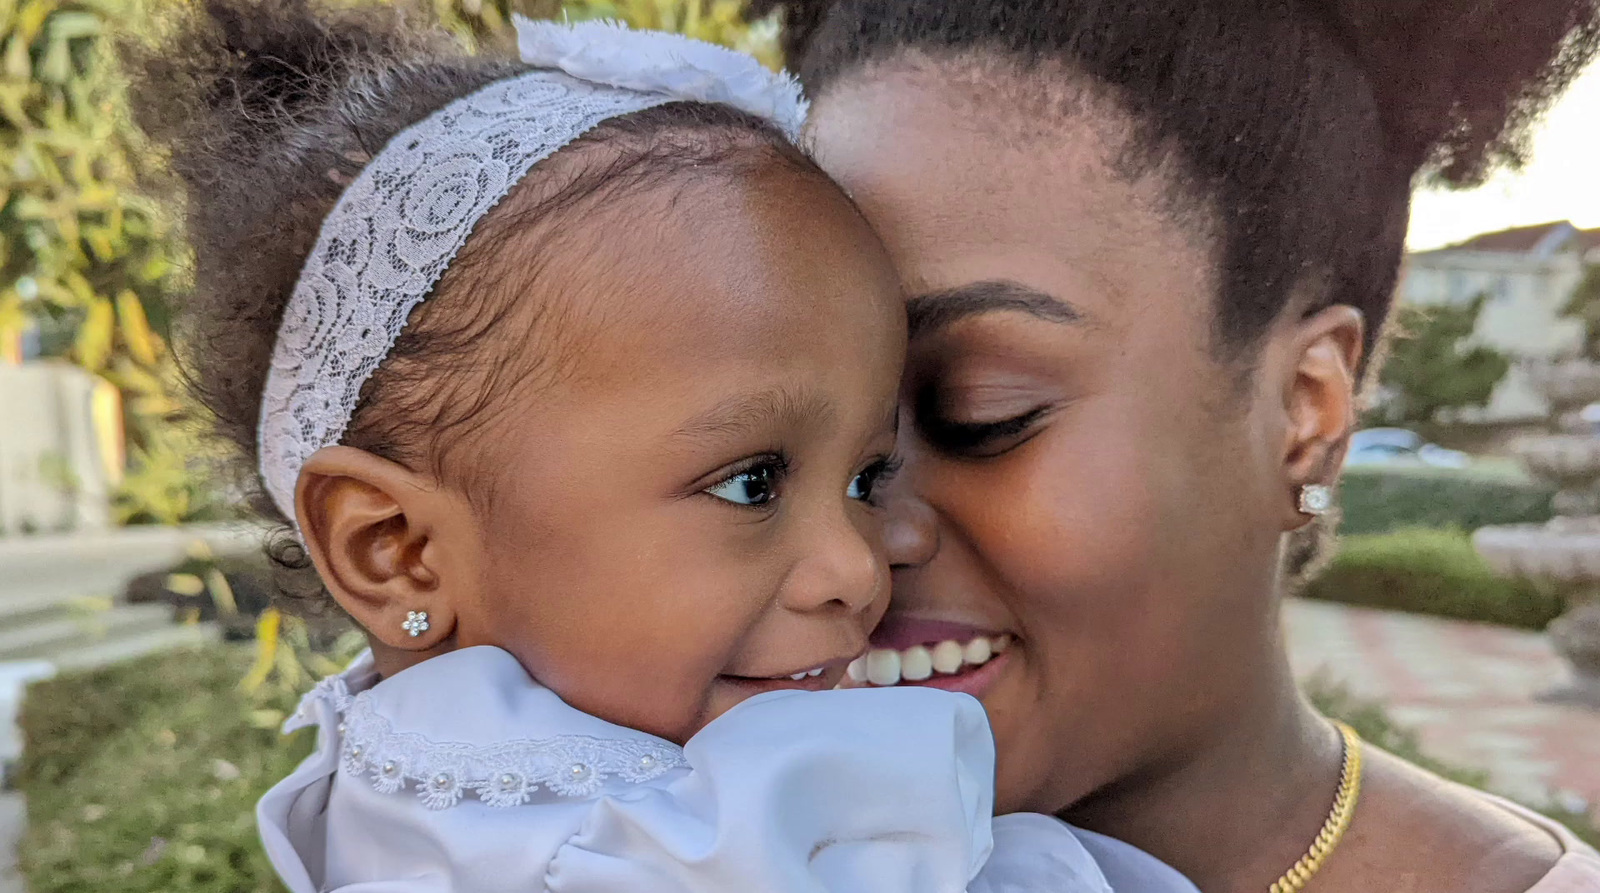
[964, 206]
[903, 134]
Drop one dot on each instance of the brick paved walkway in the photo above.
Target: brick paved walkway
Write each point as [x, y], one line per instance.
[1469, 690]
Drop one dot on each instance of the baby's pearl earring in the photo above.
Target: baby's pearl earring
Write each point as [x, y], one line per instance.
[1316, 500]
[416, 623]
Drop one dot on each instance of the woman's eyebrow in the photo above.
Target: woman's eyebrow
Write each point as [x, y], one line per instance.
[932, 311]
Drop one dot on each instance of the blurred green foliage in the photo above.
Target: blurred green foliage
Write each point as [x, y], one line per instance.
[1433, 365]
[1380, 500]
[82, 254]
[1431, 572]
[1584, 306]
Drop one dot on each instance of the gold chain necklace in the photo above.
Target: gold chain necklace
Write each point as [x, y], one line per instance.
[1338, 821]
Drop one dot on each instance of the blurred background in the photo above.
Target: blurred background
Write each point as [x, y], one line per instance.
[143, 673]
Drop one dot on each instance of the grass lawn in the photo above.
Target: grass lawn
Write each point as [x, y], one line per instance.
[144, 777]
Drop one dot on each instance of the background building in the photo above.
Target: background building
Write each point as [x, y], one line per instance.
[1527, 275]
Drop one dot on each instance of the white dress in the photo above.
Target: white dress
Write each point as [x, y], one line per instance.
[464, 774]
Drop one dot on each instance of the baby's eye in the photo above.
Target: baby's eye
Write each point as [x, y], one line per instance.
[871, 478]
[756, 485]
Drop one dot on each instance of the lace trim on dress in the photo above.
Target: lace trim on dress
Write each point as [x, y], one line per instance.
[501, 775]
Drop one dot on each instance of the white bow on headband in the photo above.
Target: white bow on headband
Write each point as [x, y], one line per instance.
[402, 220]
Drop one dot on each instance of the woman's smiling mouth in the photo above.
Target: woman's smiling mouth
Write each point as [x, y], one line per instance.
[943, 655]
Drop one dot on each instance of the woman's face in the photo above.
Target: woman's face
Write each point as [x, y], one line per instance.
[1107, 493]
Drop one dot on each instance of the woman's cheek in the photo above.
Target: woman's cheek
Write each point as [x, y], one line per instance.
[1071, 517]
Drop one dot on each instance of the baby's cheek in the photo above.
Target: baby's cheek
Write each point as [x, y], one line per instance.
[675, 689]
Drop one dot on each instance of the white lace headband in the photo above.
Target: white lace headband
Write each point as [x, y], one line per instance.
[410, 210]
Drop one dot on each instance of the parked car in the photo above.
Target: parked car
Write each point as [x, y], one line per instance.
[1398, 446]
[1590, 417]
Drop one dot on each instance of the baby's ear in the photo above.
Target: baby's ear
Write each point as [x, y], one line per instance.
[369, 525]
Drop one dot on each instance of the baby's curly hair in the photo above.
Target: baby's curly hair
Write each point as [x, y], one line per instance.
[271, 107]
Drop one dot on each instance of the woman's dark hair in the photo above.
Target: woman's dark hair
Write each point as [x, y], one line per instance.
[270, 107]
[1301, 124]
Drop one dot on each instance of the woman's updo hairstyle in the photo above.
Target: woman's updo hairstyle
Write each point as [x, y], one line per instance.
[1299, 125]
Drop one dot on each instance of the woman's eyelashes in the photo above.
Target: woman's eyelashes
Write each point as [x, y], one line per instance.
[759, 482]
[972, 438]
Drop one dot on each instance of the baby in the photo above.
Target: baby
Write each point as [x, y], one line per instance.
[577, 381]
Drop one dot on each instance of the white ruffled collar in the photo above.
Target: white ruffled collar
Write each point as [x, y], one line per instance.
[474, 723]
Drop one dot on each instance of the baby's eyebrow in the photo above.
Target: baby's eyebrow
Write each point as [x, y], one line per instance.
[780, 409]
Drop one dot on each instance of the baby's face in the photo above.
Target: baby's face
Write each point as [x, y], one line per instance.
[687, 517]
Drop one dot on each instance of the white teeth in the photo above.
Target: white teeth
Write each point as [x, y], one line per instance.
[798, 676]
[885, 666]
[916, 663]
[979, 651]
[948, 657]
[808, 674]
[816, 672]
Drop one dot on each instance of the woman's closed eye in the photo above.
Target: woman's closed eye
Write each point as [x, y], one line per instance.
[978, 439]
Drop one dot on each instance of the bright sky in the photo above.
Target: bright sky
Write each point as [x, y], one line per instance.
[1561, 182]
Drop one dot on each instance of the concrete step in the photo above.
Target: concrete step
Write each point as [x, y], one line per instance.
[70, 630]
[35, 570]
[98, 654]
[33, 606]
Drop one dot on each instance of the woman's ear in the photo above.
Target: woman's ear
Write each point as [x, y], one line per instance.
[1320, 403]
[366, 522]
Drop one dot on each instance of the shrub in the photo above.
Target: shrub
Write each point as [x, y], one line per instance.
[1431, 572]
[1433, 364]
[1378, 500]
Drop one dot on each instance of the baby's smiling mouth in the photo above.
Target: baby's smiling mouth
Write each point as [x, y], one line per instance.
[817, 678]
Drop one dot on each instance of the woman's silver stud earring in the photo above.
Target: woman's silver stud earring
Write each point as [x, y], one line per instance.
[1316, 499]
[416, 623]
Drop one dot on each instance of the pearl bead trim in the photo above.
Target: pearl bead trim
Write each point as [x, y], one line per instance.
[501, 775]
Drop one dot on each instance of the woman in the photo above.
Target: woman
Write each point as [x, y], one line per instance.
[1149, 246]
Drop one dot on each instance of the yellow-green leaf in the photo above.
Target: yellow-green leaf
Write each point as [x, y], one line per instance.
[136, 332]
[95, 336]
[185, 584]
[267, 627]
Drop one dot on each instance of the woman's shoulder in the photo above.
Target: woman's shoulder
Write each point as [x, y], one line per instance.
[1577, 870]
[1416, 831]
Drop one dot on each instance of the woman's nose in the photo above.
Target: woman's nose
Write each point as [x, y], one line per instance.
[911, 534]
